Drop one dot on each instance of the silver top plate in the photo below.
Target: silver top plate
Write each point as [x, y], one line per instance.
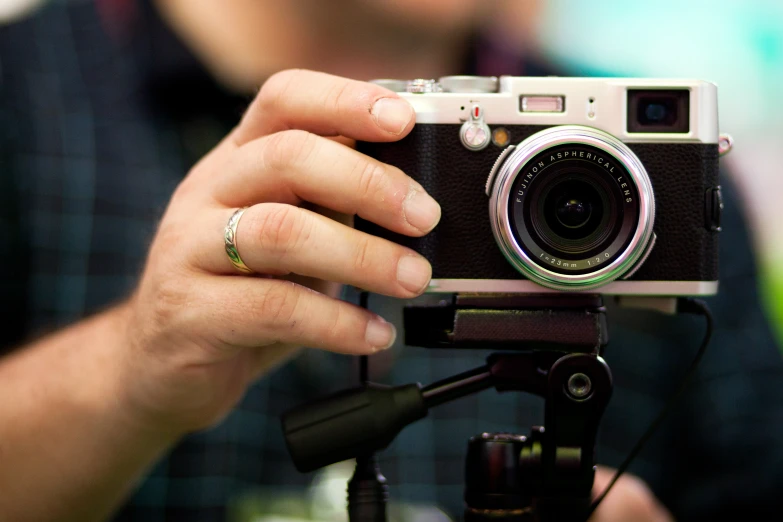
[594, 102]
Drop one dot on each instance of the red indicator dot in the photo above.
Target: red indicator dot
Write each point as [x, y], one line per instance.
[476, 111]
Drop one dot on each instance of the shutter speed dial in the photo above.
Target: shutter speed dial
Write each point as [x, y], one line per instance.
[474, 133]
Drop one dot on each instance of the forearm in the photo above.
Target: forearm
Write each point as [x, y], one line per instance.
[70, 447]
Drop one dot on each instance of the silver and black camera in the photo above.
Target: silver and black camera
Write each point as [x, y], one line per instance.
[568, 184]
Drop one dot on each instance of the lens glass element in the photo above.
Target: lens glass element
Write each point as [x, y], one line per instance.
[573, 208]
[572, 212]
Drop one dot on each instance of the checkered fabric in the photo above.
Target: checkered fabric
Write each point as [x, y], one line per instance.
[95, 132]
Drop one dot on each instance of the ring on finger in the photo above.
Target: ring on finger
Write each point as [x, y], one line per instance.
[230, 237]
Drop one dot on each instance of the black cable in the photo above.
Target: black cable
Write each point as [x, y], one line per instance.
[364, 361]
[367, 490]
[684, 306]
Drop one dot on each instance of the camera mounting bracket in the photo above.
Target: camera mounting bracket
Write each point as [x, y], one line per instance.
[560, 322]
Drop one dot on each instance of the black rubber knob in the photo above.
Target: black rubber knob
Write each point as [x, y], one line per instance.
[350, 424]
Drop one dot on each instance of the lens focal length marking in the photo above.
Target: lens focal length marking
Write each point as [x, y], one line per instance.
[592, 262]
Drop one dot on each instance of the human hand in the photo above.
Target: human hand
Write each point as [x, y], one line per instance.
[199, 331]
[630, 500]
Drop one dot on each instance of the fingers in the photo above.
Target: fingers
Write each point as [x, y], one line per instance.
[629, 499]
[277, 238]
[292, 166]
[326, 105]
[252, 312]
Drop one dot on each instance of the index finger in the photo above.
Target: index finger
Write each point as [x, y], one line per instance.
[327, 105]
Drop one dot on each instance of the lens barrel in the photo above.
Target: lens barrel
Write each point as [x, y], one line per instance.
[572, 208]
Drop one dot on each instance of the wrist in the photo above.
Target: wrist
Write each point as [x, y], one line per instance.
[166, 383]
[127, 382]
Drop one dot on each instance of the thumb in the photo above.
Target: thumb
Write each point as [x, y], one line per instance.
[325, 105]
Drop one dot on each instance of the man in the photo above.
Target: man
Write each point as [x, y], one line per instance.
[103, 117]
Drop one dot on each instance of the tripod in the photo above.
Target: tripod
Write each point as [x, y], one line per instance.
[547, 345]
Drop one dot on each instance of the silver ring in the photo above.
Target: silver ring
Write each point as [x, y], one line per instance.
[500, 219]
[230, 238]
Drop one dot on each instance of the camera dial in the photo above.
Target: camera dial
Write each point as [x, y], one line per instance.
[469, 84]
[423, 86]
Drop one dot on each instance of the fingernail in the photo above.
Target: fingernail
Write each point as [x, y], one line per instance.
[421, 211]
[392, 114]
[414, 273]
[380, 334]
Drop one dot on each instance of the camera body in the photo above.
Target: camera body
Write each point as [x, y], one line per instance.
[605, 185]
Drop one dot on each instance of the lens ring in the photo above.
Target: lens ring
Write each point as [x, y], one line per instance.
[500, 218]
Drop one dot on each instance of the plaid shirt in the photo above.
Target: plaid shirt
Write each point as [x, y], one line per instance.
[95, 132]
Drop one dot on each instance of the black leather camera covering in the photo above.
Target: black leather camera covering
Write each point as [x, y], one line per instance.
[462, 245]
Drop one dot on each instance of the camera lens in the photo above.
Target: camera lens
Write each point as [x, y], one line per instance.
[572, 208]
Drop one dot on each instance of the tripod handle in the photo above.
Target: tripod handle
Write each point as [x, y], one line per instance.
[350, 423]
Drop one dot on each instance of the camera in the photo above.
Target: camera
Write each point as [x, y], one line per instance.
[606, 185]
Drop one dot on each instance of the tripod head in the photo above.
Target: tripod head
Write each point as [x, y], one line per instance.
[551, 471]
[549, 474]
[551, 347]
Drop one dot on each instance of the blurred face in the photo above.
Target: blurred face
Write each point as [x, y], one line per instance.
[430, 14]
[243, 41]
